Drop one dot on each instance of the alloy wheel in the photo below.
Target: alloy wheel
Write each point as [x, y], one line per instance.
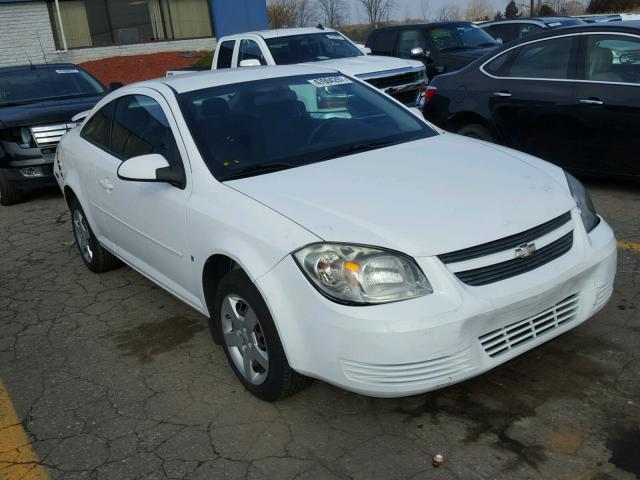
[244, 338]
[83, 236]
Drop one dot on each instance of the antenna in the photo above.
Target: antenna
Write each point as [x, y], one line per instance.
[319, 26]
[29, 58]
[41, 48]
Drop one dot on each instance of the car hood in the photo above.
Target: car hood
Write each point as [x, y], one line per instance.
[368, 64]
[423, 198]
[50, 111]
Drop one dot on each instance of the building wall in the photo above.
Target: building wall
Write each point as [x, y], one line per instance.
[20, 26]
[22, 23]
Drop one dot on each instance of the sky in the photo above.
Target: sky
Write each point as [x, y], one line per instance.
[412, 8]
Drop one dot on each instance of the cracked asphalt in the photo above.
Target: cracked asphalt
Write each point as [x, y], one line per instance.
[112, 378]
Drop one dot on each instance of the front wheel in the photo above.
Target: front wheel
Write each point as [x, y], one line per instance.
[250, 340]
[478, 131]
[94, 256]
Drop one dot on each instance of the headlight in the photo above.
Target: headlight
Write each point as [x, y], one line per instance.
[361, 275]
[585, 205]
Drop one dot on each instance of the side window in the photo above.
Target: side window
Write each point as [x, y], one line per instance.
[529, 29]
[250, 50]
[506, 32]
[97, 128]
[383, 42]
[546, 59]
[612, 58]
[408, 39]
[140, 127]
[225, 55]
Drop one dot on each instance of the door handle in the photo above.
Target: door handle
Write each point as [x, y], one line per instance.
[106, 185]
[591, 101]
[502, 94]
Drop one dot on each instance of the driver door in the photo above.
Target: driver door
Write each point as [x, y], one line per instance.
[146, 221]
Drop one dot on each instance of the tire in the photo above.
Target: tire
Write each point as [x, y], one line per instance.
[94, 256]
[477, 131]
[9, 194]
[250, 340]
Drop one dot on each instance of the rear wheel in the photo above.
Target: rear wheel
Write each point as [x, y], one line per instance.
[475, 130]
[9, 194]
[250, 340]
[94, 256]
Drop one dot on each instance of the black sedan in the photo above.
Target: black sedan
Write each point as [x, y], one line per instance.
[570, 96]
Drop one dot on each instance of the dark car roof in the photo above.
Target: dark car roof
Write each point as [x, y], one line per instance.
[631, 26]
[539, 20]
[423, 25]
[38, 66]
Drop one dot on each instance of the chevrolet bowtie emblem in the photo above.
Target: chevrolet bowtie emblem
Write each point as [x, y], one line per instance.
[525, 250]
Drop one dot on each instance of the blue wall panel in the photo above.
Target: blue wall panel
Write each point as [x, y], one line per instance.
[237, 16]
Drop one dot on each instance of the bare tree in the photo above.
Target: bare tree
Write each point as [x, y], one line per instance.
[448, 13]
[478, 10]
[289, 13]
[377, 10]
[425, 6]
[332, 12]
[574, 7]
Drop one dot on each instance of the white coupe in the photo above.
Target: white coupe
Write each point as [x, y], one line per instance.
[330, 232]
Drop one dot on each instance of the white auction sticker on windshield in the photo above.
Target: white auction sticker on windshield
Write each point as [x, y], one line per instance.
[68, 70]
[329, 81]
[335, 37]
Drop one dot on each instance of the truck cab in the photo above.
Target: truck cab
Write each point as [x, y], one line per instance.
[405, 80]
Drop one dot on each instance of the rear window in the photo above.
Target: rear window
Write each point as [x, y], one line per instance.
[25, 86]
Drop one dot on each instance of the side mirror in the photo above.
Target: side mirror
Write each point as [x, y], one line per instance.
[499, 41]
[417, 52]
[151, 168]
[252, 62]
[365, 50]
[115, 86]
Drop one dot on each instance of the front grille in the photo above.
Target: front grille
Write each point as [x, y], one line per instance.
[395, 80]
[48, 136]
[516, 266]
[506, 243]
[409, 97]
[501, 340]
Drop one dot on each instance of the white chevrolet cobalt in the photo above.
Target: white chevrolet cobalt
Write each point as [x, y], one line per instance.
[330, 232]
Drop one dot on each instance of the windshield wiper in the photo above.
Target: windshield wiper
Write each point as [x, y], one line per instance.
[357, 148]
[259, 169]
[487, 44]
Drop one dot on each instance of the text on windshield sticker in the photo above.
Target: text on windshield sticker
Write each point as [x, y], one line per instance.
[329, 81]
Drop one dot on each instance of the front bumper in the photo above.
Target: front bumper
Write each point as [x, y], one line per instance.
[458, 332]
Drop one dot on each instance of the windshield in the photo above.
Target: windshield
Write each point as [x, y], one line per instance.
[26, 86]
[458, 36]
[259, 126]
[312, 47]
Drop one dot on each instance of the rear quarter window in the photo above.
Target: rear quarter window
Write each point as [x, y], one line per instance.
[225, 54]
[382, 42]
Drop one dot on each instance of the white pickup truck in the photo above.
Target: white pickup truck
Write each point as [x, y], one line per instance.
[405, 80]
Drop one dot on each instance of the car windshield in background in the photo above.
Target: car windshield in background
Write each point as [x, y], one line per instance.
[27, 86]
[460, 36]
[310, 48]
[256, 127]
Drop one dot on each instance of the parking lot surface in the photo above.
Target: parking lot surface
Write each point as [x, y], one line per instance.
[109, 377]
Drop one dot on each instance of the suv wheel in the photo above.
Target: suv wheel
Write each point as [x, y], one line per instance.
[250, 340]
[94, 256]
[475, 130]
[9, 194]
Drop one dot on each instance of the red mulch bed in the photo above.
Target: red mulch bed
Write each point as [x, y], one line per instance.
[135, 68]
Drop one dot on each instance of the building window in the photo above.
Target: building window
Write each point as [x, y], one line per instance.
[102, 23]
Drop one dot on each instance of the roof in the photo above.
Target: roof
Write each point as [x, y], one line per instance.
[631, 26]
[215, 78]
[37, 66]
[536, 20]
[283, 32]
[425, 24]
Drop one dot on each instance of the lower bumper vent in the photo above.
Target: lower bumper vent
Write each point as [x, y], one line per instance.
[500, 341]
